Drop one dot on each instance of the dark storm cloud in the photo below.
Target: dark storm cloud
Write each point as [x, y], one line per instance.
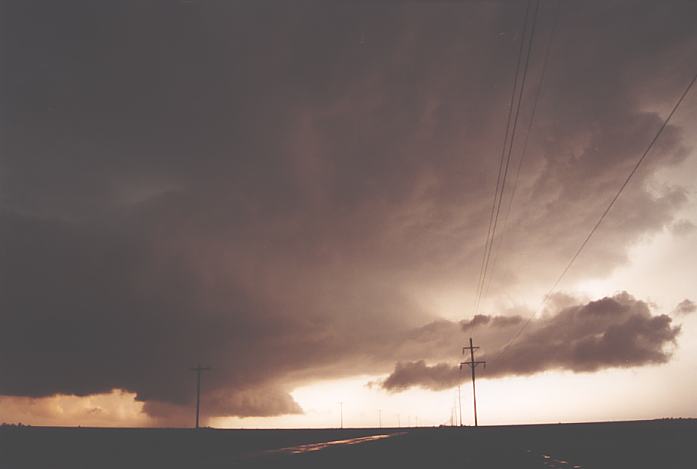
[494, 321]
[683, 227]
[477, 320]
[436, 377]
[686, 306]
[612, 332]
[263, 187]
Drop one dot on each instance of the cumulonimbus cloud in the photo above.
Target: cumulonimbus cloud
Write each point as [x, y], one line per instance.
[613, 332]
[283, 207]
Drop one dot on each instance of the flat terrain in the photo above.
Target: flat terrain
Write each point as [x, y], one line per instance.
[661, 444]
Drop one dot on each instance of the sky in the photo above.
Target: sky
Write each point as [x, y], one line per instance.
[299, 195]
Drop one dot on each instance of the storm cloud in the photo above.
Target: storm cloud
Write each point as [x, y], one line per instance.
[272, 189]
[686, 306]
[494, 321]
[613, 332]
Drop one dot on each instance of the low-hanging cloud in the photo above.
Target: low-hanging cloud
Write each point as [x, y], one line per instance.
[613, 332]
[685, 307]
[492, 321]
[418, 373]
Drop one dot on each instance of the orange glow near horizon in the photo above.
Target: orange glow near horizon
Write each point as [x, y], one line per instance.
[115, 409]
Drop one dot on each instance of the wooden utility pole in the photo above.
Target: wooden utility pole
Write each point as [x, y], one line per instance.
[198, 369]
[473, 364]
[459, 399]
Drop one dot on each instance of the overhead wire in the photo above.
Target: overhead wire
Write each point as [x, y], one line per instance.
[536, 99]
[607, 209]
[508, 149]
[503, 151]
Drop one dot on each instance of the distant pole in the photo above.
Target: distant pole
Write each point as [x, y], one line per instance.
[198, 371]
[459, 398]
[379, 418]
[473, 364]
[341, 412]
[399, 421]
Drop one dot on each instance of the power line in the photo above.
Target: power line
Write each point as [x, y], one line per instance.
[487, 244]
[609, 207]
[489, 237]
[512, 139]
[624, 184]
[536, 99]
[533, 113]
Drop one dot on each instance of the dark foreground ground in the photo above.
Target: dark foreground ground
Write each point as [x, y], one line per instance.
[663, 444]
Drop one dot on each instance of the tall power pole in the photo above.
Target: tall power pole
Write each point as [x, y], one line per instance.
[459, 399]
[198, 369]
[341, 411]
[473, 364]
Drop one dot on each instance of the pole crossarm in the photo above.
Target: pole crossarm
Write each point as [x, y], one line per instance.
[473, 363]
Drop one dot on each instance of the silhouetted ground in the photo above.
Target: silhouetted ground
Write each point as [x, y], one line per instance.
[662, 444]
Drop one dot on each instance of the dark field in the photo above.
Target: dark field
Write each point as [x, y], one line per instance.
[651, 444]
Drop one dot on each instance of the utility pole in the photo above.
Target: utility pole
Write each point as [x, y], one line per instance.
[341, 412]
[198, 371]
[472, 364]
[379, 418]
[459, 398]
